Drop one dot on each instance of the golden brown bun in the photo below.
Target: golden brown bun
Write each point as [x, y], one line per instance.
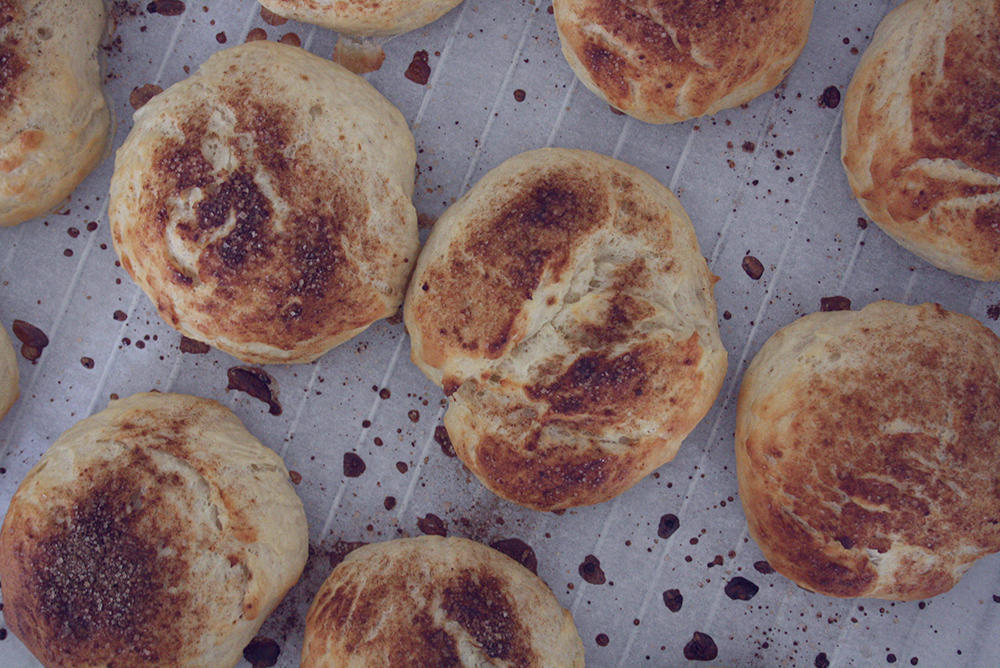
[55, 123]
[565, 308]
[158, 532]
[666, 62]
[921, 135]
[437, 602]
[9, 373]
[364, 18]
[866, 450]
[264, 206]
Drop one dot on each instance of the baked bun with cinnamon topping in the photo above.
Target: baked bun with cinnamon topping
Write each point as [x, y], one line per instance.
[921, 135]
[564, 306]
[55, 122]
[667, 62]
[156, 533]
[364, 18]
[264, 205]
[9, 374]
[866, 450]
[433, 601]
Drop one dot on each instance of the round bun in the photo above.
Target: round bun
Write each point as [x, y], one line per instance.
[866, 450]
[55, 123]
[565, 308]
[433, 601]
[9, 374]
[364, 18]
[157, 533]
[921, 136]
[263, 204]
[666, 62]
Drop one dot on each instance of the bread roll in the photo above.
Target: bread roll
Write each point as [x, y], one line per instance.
[921, 135]
[667, 62]
[565, 308]
[158, 532]
[364, 18]
[866, 450]
[55, 122]
[442, 602]
[9, 374]
[264, 206]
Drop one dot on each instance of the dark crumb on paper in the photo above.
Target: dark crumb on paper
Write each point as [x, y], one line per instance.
[591, 571]
[256, 35]
[255, 382]
[272, 19]
[830, 99]
[341, 549]
[402, 467]
[763, 567]
[140, 95]
[701, 647]
[862, 223]
[262, 652]
[425, 221]
[87, 362]
[673, 599]
[194, 347]
[749, 147]
[753, 267]
[821, 661]
[354, 466]
[993, 312]
[33, 340]
[519, 551]
[419, 70]
[221, 38]
[120, 316]
[726, 315]
[836, 303]
[519, 95]
[602, 640]
[295, 477]
[741, 589]
[432, 525]
[166, 7]
[442, 439]
[389, 503]
[414, 416]
[384, 393]
[669, 523]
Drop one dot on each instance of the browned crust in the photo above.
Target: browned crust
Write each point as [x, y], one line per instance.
[146, 536]
[666, 62]
[564, 307]
[431, 601]
[866, 450]
[304, 234]
[922, 133]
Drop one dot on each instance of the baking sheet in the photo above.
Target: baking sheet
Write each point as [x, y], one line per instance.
[763, 180]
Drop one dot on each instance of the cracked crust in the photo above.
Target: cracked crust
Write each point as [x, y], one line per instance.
[565, 308]
[866, 449]
[157, 532]
[364, 18]
[667, 62]
[442, 602]
[264, 204]
[55, 122]
[921, 136]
